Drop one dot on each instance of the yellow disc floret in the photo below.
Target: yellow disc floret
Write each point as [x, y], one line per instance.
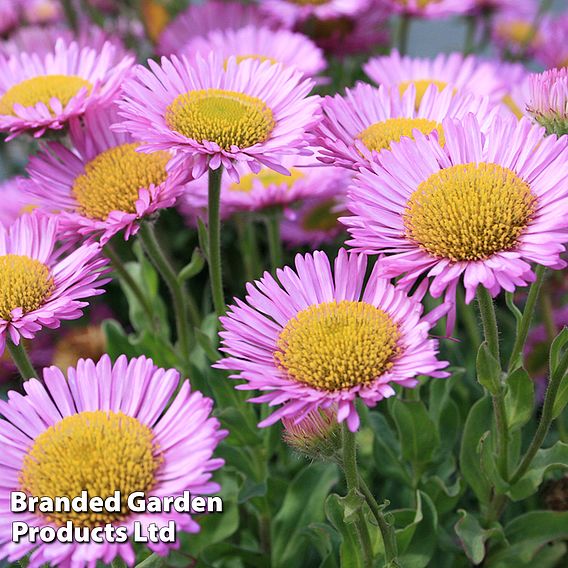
[380, 135]
[96, 451]
[42, 89]
[469, 212]
[24, 283]
[267, 178]
[227, 118]
[337, 345]
[256, 57]
[421, 86]
[112, 181]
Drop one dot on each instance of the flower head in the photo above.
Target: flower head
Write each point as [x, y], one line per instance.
[518, 32]
[316, 221]
[213, 113]
[367, 120]
[316, 436]
[201, 19]
[483, 207]
[267, 188]
[469, 74]
[40, 286]
[548, 100]
[104, 428]
[430, 8]
[103, 185]
[314, 339]
[14, 201]
[42, 92]
[292, 12]
[553, 52]
[262, 43]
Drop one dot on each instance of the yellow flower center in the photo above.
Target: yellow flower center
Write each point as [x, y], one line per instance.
[419, 3]
[112, 181]
[155, 17]
[380, 135]
[42, 89]
[97, 451]
[256, 57]
[227, 118]
[469, 212]
[337, 345]
[421, 86]
[321, 217]
[518, 32]
[24, 283]
[267, 178]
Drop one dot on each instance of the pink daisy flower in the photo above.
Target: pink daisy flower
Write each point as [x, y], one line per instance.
[430, 9]
[469, 74]
[548, 100]
[262, 43]
[104, 428]
[14, 201]
[9, 16]
[292, 12]
[39, 93]
[315, 222]
[39, 285]
[268, 189]
[515, 35]
[553, 52]
[103, 185]
[201, 19]
[214, 114]
[314, 339]
[42, 11]
[42, 39]
[483, 207]
[367, 120]
[348, 35]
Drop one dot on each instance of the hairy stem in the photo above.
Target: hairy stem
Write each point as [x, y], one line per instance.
[21, 360]
[214, 232]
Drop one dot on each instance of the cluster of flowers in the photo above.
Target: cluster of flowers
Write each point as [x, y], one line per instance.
[443, 167]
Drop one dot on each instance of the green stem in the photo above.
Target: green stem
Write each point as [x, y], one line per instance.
[249, 247]
[162, 264]
[520, 340]
[387, 530]
[489, 321]
[491, 333]
[214, 228]
[274, 240]
[70, 14]
[403, 33]
[21, 360]
[469, 45]
[349, 463]
[127, 278]
[546, 419]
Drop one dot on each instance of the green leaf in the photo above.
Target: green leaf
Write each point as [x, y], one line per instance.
[416, 545]
[153, 561]
[473, 537]
[519, 399]
[555, 457]
[417, 432]
[488, 369]
[479, 417]
[526, 535]
[350, 553]
[444, 497]
[194, 267]
[556, 348]
[561, 398]
[386, 450]
[302, 506]
[325, 539]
